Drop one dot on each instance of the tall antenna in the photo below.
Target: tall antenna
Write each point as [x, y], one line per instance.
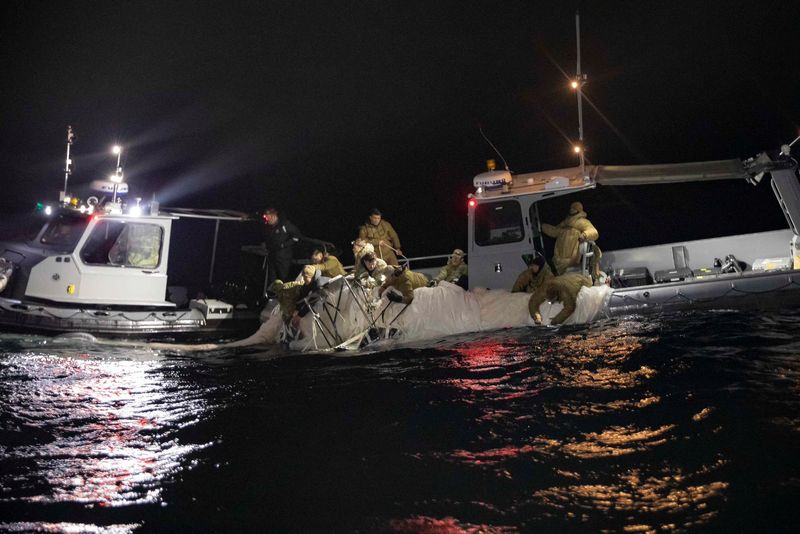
[505, 165]
[68, 164]
[577, 84]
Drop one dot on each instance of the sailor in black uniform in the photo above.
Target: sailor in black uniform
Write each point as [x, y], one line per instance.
[280, 236]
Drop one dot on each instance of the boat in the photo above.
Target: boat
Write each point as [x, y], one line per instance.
[102, 266]
[758, 270]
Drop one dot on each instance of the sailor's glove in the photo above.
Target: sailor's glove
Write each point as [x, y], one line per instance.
[394, 296]
[433, 283]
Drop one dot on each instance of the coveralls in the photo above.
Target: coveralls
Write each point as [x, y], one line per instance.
[529, 282]
[383, 231]
[565, 289]
[567, 235]
[406, 282]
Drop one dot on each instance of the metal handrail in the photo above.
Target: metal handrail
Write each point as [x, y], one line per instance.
[416, 258]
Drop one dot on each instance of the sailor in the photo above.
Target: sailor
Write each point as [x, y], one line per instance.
[455, 271]
[402, 283]
[360, 248]
[309, 294]
[374, 270]
[569, 234]
[532, 278]
[145, 257]
[280, 236]
[287, 294]
[381, 235]
[563, 288]
[329, 265]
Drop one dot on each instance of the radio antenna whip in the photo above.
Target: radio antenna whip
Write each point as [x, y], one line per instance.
[68, 164]
[494, 148]
[580, 79]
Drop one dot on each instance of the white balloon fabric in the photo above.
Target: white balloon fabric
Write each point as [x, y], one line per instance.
[346, 314]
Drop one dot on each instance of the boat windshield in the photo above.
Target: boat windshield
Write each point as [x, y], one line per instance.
[64, 230]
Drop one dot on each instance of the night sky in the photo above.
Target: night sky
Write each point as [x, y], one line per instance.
[326, 109]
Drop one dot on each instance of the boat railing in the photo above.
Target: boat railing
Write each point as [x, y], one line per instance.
[420, 262]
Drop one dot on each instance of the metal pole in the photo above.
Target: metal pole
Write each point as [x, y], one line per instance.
[117, 173]
[579, 89]
[67, 170]
[213, 253]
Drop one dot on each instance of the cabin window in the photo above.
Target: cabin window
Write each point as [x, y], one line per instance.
[64, 230]
[124, 244]
[498, 222]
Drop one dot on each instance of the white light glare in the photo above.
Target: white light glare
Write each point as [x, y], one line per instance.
[48, 210]
[135, 211]
[574, 84]
[117, 149]
[116, 178]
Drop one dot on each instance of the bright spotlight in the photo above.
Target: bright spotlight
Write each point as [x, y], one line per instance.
[577, 149]
[117, 149]
[574, 84]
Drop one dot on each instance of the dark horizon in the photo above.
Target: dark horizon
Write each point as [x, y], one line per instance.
[328, 110]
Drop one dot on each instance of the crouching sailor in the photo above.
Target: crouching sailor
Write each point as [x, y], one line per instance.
[455, 271]
[287, 294]
[309, 293]
[329, 265]
[534, 277]
[565, 289]
[401, 285]
[374, 271]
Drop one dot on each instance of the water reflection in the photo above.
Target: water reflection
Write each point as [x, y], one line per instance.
[446, 525]
[564, 402]
[100, 432]
[687, 496]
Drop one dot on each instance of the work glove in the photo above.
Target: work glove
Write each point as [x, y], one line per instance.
[433, 283]
[394, 296]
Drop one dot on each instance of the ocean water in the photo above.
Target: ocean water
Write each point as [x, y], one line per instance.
[678, 423]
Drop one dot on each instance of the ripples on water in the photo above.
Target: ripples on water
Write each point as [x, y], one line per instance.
[677, 423]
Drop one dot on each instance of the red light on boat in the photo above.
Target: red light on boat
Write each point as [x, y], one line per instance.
[472, 203]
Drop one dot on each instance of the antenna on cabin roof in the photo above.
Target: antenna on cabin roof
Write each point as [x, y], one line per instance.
[505, 165]
[68, 164]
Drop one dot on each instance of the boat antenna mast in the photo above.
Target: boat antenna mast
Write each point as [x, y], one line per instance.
[68, 164]
[117, 177]
[577, 84]
[505, 165]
